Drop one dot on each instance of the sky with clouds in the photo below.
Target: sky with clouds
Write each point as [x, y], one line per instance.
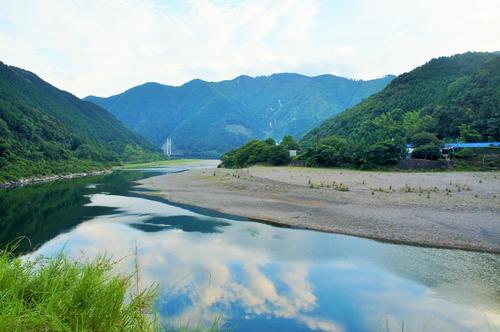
[105, 47]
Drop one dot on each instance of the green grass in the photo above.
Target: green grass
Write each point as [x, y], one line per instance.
[171, 162]
[58, 294]
[215, 327]
[29, 168]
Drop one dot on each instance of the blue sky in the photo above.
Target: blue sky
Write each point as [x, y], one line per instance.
[105, 47]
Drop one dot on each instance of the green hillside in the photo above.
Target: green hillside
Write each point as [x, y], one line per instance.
[44, 130]
[209, 118]
[447, 99]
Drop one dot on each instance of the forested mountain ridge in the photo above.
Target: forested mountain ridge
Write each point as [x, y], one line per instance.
[455, 98]
[209, 118]
[44, 130]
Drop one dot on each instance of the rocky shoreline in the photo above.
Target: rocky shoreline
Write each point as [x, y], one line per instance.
[50, 178]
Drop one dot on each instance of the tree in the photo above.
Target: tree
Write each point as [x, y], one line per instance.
[467, 134]
[270, 141]
[278, 155]
[337, 142]
[427, 151]
[385, 153]
[464, 154]
[289, 143]
[255, 152]
[424, 138]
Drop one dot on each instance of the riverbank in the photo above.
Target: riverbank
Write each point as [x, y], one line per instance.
[458, 210]
[50, 178]
[167, 163]
[188, 163]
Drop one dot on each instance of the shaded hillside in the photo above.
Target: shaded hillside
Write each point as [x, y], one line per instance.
[44, 130]
[207, 118]
[456, 98]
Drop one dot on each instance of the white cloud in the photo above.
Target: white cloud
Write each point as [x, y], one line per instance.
[104, 47]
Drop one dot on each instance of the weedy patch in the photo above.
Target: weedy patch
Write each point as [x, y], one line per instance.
[419, 189]
[340, 186]
[58, 294]
[462, 187]
[335, 185]
[387, 190]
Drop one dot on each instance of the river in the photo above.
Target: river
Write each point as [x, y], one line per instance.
[254, 276]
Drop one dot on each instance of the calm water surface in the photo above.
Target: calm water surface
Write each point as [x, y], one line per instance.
[258, 277]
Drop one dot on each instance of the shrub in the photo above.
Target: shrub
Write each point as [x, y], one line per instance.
[427, 151]
[336, 142]
[468, 134]
[385, 153]
[321, 156]
[255, 152]
[289, 143]
[424, 138]
[464, 154]
[278, 155]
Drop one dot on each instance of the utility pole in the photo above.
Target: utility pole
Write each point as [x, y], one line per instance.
[167, 147]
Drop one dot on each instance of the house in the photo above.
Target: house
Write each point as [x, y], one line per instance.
[478, 145]
[409, 148]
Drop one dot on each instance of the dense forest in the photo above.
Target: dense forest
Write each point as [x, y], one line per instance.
[209, 118]
[44, 130]
[448, 99]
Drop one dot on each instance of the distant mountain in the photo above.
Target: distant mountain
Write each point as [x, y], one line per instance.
[455, 97]
[210, 118]
[44, 130]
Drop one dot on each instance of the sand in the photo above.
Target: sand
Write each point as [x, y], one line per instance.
[459, 210]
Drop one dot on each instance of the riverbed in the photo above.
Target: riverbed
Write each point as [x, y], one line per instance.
[253, 275]
[459, 210]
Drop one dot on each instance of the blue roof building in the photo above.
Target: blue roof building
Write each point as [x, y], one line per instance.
[449, 146]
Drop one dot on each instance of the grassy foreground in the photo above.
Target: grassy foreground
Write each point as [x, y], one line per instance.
[58, 294]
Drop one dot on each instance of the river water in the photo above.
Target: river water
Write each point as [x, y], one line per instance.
[254, 276]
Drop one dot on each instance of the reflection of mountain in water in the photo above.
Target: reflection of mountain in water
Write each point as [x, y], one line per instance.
[154, 215]
[41, 212]
[184, 223]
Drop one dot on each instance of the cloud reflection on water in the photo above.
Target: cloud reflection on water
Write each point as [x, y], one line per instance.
[248, 270]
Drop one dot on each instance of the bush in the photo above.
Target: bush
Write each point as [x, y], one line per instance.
[427, 151]
[56, 294]
[255, 152]
[289, 143]
[278, 155]
[464, 154]
[468, 134]
[385, 153]
[336, 142]
[424, 138]
[322, 156]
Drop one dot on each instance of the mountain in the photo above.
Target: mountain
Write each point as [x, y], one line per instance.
[44, 130]
[454, 98]
[209, 118]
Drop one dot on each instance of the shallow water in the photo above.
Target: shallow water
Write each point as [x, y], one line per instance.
[256, 276]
